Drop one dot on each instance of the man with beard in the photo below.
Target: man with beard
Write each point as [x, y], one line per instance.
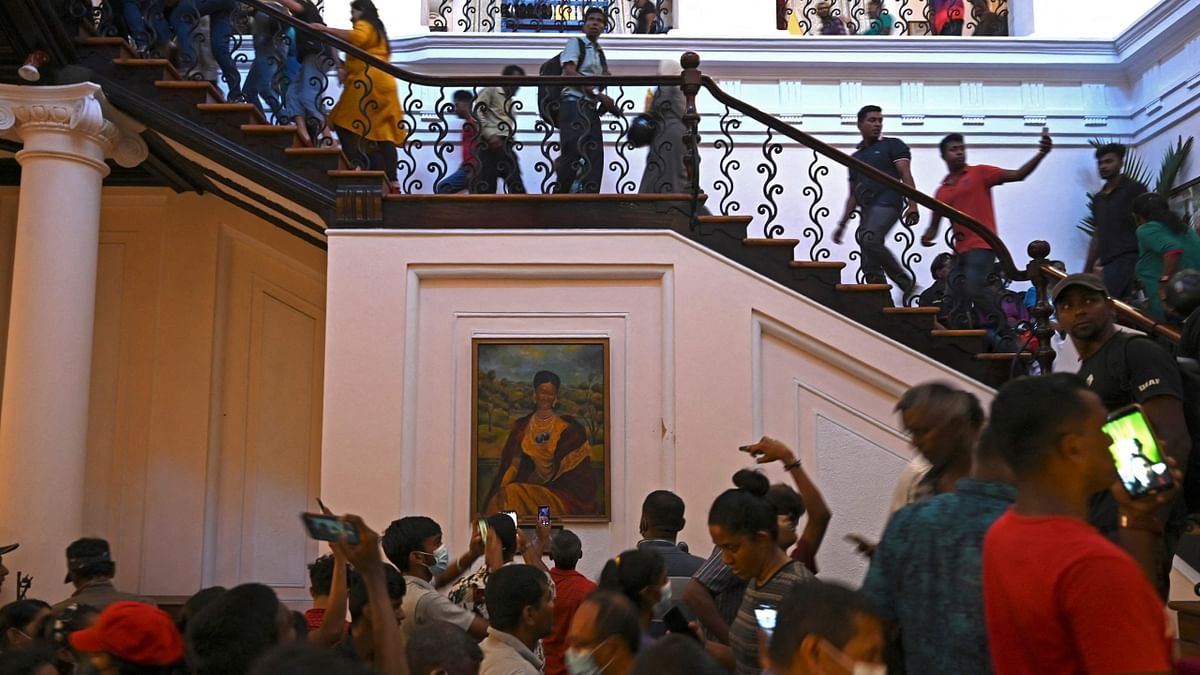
[1113, 252]
[1124, 368]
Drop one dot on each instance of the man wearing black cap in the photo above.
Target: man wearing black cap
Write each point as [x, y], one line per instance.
[5, 550]
[90, 568]
[1124, 368]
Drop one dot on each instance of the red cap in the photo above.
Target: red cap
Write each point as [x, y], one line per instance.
[135, 632]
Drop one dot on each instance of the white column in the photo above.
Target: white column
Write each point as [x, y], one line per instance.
[44, 414]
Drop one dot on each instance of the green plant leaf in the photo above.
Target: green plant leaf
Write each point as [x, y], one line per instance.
[1172, 164]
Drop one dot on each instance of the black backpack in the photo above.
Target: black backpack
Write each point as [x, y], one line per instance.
[1189, 375]
[550, 96]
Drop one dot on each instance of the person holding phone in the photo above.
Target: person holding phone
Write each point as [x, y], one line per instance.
[414, 545]
[1058, 596]
[1124, 368]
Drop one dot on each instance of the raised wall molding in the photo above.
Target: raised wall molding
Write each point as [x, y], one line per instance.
[1095, 121]
[850, 99]
[912, 95]
[1035, 120]
[1033, 95]
[971, 95]
[974, 120]
[791, 96]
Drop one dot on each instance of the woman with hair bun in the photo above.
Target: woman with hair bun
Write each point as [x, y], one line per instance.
[744, 525]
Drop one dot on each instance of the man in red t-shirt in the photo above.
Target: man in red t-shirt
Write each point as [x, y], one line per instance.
[570, 590]
[968, 188]
[1058, 596]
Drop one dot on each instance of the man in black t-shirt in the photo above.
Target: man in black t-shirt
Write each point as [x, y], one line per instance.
[1114, 244]
[1124, 368]
[880, 204]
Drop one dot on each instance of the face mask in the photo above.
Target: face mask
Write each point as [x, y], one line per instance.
[441, 561]
[854, 667]
[581, 662]
[664, 602]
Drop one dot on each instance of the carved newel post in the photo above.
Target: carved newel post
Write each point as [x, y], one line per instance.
[1038, 252]
[692, 78]
[65, 139]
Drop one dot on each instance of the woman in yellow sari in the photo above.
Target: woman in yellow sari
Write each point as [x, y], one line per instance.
[368, 115]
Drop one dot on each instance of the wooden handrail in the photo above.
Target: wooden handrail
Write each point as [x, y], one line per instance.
[1127, 315]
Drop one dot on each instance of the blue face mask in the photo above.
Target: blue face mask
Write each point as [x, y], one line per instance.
[441, 561]
[581, 662]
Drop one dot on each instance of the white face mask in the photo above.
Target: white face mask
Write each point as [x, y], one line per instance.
[580, 662]
[850, 665]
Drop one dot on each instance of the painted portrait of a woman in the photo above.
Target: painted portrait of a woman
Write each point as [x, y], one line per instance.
[546, 460]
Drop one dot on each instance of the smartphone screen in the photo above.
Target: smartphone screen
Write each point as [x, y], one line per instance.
[1135, 452]
[544, 516]
[513, 515]
[676, 622]
[765, 616]
[328, 528]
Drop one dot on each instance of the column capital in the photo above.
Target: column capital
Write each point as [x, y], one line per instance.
[75, 109]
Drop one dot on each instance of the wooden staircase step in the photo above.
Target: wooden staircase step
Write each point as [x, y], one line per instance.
[235, 108]
[167, 67]
[304, 151]
[912, 311]
[97, 41]
[1003, 356]
[725, 220]
[192, 85]
[790, 243]
[269, 129]
[817, 265]
[864, 288]
[974, 332]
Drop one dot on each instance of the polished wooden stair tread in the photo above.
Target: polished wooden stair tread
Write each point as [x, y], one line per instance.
[226, 107]
[352, 173]
[576, 197]
[817, 265]
[790, 243]
[191, 84]
[972, 332]
[319, 150]
[1003, 356]
[863, 288]
[97, 40]
[912, 311]
[269, 128]
[165, 64]
[725, 220]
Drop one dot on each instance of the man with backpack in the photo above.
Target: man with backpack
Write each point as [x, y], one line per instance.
[580, 167]
[1123, 368]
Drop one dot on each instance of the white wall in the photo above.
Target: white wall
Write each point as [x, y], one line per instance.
[705, 357]
[1102, 19]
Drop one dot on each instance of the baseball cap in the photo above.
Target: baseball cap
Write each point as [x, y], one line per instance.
[83, 553]
[134, 632]
[9, 548]
[1088, 281]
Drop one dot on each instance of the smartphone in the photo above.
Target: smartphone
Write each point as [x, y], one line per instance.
[764, 614]
[483, 530]
[513, 515]
[328, 528]
[1139, 461]
[750, 449]
[544, 516]
[676, 622]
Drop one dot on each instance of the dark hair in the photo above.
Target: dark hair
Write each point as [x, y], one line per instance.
[17, 614]
[509, 591]
[1029, 415]
[786, 500]
[1153, 206]
[93, 559]
[463, 95]
[406, 535]
[544, 376]
[744, 510]
[502, 526]
[1117, 149]
[632, 572]
[25, 661]
[193, 605]
[943, 397]
[676, 654]
[617, 616]
[370, 14]
[663, 510]
[440, 645]
[320, 574]
[939, 261]
[512, 69]
[816, 607]
[356, 595]
[867, 110]
[298, 658]
[950, 138]
[594, 10]
[69, 619]
[236, 628]
[566, 550]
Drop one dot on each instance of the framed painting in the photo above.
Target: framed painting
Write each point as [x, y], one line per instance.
[1185, 201]
[540, 428]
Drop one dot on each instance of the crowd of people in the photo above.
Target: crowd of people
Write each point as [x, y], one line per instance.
[1010, 547]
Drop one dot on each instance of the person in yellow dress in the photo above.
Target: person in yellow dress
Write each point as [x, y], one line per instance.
[368, 117]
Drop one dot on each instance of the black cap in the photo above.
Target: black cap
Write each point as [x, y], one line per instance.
[83, 553]
[1088, 281]
[9, 548]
